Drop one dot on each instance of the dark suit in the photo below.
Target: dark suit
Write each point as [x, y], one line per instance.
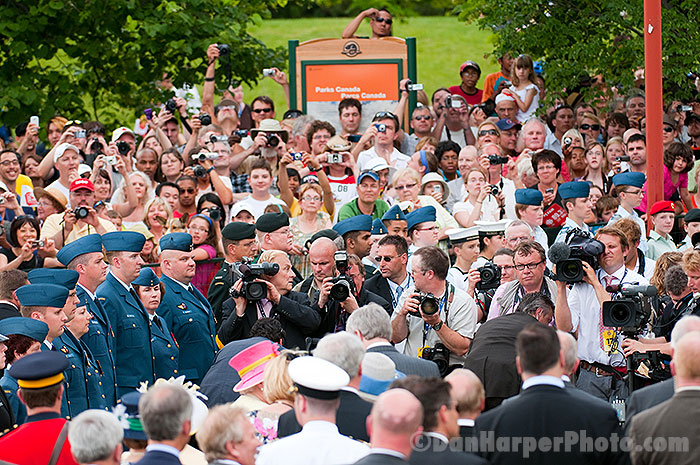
[466, 431]
[378, 284]
[8, 311]
[380, 459]
[156, 457]
[406, 364]
[333, 316]
[492, 356]
[294, 312]
[218, 383]
[351, 418]
[433, 451]
[550, 411]
[648, 397]
[7, 417]
[189, 317]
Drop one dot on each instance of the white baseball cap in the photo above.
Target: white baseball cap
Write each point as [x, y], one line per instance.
[120, 132]
[61, 149]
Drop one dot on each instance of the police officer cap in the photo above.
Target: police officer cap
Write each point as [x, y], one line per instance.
[176, 241]
[88, 244]
[270, 222]
[393, 214]
[693, 216]
[528, 197]
[629, 179]
[378, 228]
[237, 231]
[130, 401]
[422, 215]
[147, 278]
[42, 295]
[355, 223]
[317, 378]
[65, 278]
[35, 329]
[460, 235]
[574, 190]
[39, 370]
[123, 241]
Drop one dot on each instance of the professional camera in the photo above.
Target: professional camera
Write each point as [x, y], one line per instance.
[498, 160]
[224, 49]
[81, 213]
[490, 275]
[253, 290]
[569, 256]
[123, 147]
[171, 106]
[343, 285]
[438, 354]
[631, 312]
[427, 303]
[273, 140]
[205, 119]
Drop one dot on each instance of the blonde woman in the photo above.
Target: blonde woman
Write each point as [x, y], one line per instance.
[614, 149]
[143, 191]
[479, 204]
[309, 222]
[158, 218]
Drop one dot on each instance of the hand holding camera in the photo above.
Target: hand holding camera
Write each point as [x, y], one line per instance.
[212, 53]
[311, 161]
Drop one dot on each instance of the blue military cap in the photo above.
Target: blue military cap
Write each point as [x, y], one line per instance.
[39, 370]
[574, 190]
[528, 197]
[42, 295]
[356, 223]
[147, 277]
[422, 215]
[130, 401]
[88, 244]
[35, 329]
[65, 278]
[176, 241]
[394, 214]
[123, 241]
[378, 228]
[629, 179]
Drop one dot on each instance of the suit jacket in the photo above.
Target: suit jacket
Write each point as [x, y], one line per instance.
[648, 397]
[294, 312]
[380, 459]
[378, 284]
[466, 431]
[675, 418]
[550, 411]
[156, 457]
[492, 354]
[133, 354]
[351, 418]
[191, 321]
[101, 342]
[218, 383]
[165, 350]
[406, 364]
[432, 451]
[8, 311]
[332, 312]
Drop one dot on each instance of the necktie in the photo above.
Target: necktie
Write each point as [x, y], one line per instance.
[399, 291]
[609, 281]
[158, 323]
[265, 309]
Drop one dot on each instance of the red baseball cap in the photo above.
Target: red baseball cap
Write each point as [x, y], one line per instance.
[662, 206]
[81, 183]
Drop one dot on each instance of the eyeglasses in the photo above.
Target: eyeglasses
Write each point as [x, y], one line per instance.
[312, 199]
[227, 107]
[379, 259]
[198, 228]
[586, 127]
[321, 137]
[506, 267]
[262, 110]
[433, 229]
[389, 21]
[546, 167]
[7, 163]
[422, 117]
[529, 266]
[489, 132]
[406, 186]
[668, 129]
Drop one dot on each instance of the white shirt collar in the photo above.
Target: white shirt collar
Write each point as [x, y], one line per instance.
[378, 344]
[9, 303]
[543, 380]
[619, 273]
[87, 291]
[320, 426]
[48, 344]
[688, 388]
[163, 448]
[350, 389]
[436, 435]
[380, 450]
[565, 378]
[465, 422]
[404, 285]
[186, 286]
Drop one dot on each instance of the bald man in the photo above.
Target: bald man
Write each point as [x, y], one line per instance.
[675, 418]
[469, 397]
[322, 267]
[396, 418]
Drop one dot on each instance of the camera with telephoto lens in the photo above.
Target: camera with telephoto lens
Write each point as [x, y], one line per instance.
[343, 285]
[224, 49]
[428, 304]
[631, 311]
[81, 213]
[205, 119]
[498, 160]
[171, 106]
[490, 277]
[440, 355]
[251, 289]
[272, 140]
[569, 256]
[123, 147]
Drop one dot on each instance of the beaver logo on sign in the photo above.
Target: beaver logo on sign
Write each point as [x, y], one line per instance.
[351, 49]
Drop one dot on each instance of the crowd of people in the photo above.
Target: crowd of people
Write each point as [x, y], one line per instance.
[223, 285]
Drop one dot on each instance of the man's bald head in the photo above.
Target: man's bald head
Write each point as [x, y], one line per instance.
[569, 350]
[467, 392]
[396, 412]
[323, 246]
[685, 325]
[686, 360]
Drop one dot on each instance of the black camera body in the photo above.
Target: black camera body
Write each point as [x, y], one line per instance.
[428, 304]
[273, 140]
[582, 248]
[205, 119]
[215, 213]
[240, 133]
[498, 160]
[440, 355]
[81, 213]
[490, 275]
[343, 285]
[95, 146]
[199, 171]
[495, 190]
[123, 147]
[224, 49]
[631, 312]
[171, 106]
[253, 290]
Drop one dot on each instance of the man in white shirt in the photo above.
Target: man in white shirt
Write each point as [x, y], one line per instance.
[384, 130]
[393, 279]
[66, 159]
[260, 180]
[466, 246]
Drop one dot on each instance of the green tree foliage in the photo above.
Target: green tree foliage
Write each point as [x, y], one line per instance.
[80, 57]
[577, 38]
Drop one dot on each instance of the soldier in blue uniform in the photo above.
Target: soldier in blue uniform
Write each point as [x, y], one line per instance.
[629, 187]
[575, 197]
[165, 350]
[395, 221]
[25, 336]
[186, 311]
[85, 256]
[133, 357]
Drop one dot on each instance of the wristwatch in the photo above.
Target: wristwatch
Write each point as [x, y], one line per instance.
[438, 325]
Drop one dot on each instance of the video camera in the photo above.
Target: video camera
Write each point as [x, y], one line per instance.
[343, 285]
[631, 312]
[569, 256]
[253, 290]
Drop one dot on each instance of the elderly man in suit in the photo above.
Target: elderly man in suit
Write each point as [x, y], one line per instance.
[469, 397]
[373, 326]
[227, 437]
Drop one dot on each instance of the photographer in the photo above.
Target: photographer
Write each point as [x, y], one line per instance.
[66, 159]
[292, 309]
[599, 348]
[434, 314]
[490, 240]
[208, 179]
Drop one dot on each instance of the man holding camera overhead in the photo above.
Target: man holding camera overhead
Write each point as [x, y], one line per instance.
[603, 362]
[82, 220]
[436, 320]
[383, 131]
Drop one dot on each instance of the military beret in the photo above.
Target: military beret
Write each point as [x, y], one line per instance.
[81, 246]
[574, 190]
[123, 241]
[270, 222]
[378, 228]
[329, 233]
[65, 278]
[35, 329]
[237, 231]
[147, 278]
[662, 206]
[42, 295]
[39, 370]
[393, 214]
[355, 223]
[528, 197]
[629, 178]
[421, 215]
[693, 216]
[176, 241]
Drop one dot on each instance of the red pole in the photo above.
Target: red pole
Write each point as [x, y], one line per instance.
[653, 77]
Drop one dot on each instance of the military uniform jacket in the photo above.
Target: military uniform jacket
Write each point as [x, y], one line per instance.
[219, 291]
[7, 417]
[191, 321]
[165, 350]
[133, 356]
[101, 342]
[9, 388]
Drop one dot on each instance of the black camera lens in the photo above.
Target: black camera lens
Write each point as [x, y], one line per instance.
[81, 212]
[490, 277]
[123, 147]
[224, 49]
[214, 214]
[255, 291]
[429, 305]
[170, 105]
[570, 270]
[95, 145]
[199, 171]
[340, 290]
[497, 160]
[205, 119]
[494, 190]
[272, 140]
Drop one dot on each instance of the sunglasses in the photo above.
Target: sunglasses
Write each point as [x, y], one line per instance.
[586, 127]
[389, 21]
[422, 117]
[262, 110]
[386, 259]
[188, 190]
[73, 122]
[668, 129]
[383, 114]
[489, 132]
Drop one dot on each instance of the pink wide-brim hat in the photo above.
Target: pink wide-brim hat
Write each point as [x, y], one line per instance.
[250, 363]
